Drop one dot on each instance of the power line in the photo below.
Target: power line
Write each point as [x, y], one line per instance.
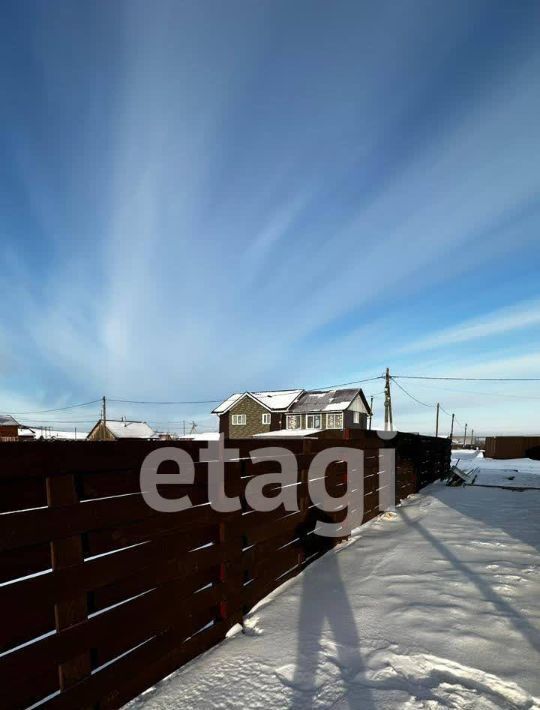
[475, 392]
[432, 406]
[412, 396]
[221, 399]
[135, 401]
[59, 409]
[468, 379]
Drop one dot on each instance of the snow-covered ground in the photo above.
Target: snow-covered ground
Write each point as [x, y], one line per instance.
[510, 473]
[434, 606]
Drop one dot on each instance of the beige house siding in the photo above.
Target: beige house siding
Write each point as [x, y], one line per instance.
[100, 433]
[253, 411]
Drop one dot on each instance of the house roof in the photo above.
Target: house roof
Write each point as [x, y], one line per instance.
[228, 403]
[276, 400]
[327, 401]
[130, 430]
[7, 420]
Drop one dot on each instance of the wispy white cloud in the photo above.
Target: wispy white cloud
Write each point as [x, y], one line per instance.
[502, 321]
[260, 181]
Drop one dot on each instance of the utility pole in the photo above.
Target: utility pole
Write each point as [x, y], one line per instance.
[184, 426]
[452, 427]
[104, 416]
[371, 411]
[437, 421]
[465, 436]
[472, 437]
[388, 423]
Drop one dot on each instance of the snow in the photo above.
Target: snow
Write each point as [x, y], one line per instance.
[202, 436]
[54, 434]
[281, 399]
[509, 473]
[277, 400]
[287, 433]
[130, 430]
[434, 606]
[228, 403]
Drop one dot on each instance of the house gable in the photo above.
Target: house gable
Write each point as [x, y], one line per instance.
[253, 412]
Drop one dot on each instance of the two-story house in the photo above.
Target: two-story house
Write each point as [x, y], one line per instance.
[251, 413]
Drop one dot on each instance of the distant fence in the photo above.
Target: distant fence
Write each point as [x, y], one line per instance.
[509, 447]
[101, 597]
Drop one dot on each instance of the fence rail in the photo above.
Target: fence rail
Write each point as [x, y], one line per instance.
[101, 596]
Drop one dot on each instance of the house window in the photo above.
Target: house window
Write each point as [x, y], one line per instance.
[313, 421]
[294, 421]
[266, 418]
[334, 421]
[239, 419]
[356, 417]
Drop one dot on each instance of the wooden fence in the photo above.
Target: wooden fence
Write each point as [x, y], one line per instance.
[101, 596]
[509, 447]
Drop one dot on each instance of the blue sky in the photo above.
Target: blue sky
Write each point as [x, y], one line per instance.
[204, 197]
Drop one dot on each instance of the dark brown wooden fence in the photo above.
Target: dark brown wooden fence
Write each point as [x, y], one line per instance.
[510, 447]
[101, 596]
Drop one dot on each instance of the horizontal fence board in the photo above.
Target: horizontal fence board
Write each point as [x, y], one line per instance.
[45, 524]
[154, 561]
[20, 562]
[144, 666]
[31, 459]
[21, 494]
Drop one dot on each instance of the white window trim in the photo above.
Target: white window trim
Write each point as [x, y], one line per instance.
[334, 414]
[312, 416]
[238, 419]
[296, 416]
[266, 418]
[356, 417]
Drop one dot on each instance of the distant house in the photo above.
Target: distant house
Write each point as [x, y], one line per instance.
[26, 433]
[255, 413]
[111, 430]
[9, 427]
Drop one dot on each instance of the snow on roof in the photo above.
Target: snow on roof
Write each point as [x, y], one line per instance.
[275, 400]
[7, 420]
[330, 401]
[279, 399]
[288, 433]
[130, 430]
[202, 436]
[221, 408]
[25, 432]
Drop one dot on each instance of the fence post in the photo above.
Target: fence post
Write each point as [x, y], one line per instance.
[230, 539]
[303, 498]
[61, 491]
